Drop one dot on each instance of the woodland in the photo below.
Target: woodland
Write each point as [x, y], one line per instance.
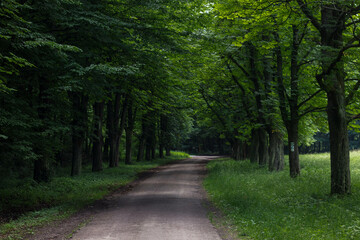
[111, 82]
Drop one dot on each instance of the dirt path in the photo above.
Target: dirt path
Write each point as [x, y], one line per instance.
[168, 205]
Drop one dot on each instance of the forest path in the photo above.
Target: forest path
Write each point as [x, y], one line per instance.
[167, 205]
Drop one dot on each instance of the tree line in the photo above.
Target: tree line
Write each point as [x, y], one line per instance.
[77, 76]
[282, 70]
[86, 80]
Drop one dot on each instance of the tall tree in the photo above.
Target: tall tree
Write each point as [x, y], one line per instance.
[336, 20]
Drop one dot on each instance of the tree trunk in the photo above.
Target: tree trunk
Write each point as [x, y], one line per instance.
[148, 151]
[41, 170]
[153, 138]
[78, 132]
[41, 164]
[142, 140]
[261, 137]
[120, 131]
[263, 147]
[293, 138]
[161, 151]
[129, 132]
[254, 150]
[290, 119]
[276, 151]
[117, 124]
[113, 111]
[106, 150]
[97, 141]
[332, 39]
[168, 152]
[167, 137]
[339, 142]
[162, 135]
[77, 149]
[87, 151]
[236, 149]
[244, 151]
[150, 136]
[141, 149]
[153, 151]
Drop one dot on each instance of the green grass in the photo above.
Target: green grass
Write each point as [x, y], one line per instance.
[64, 195]
[265, 205]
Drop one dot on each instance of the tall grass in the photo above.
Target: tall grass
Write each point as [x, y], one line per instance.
[64, 195]
[265, 205]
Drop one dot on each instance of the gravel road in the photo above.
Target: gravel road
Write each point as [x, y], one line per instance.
[166, 206]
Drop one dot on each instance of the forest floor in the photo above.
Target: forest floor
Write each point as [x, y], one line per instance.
[167, 202]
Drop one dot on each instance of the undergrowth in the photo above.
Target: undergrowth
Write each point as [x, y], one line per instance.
[64, 195]
[271, 205]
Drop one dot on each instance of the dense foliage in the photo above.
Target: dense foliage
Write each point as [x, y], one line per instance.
[75, 75]
[99, 82]
[281, 70]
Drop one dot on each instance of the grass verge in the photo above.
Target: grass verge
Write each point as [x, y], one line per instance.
[265, 205]
[65, 195]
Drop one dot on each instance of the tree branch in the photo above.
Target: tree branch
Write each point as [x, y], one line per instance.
[340, 55]
[244, 102]
[309, 98]
[239, 66]
[354, 11]
[353, 117]
[211, 108]
[308, 14]
[235, 78]
[352, 23]
[310, 110]
[352, 92]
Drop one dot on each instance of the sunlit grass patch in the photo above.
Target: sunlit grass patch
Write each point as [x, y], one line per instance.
[267, 205]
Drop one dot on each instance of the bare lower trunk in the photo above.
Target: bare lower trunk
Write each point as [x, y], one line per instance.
[41, 165]
[77, 149]
[113, 117]
[141, 149]
[168, 152]
[97, 141]
[118, 129]
[263, 147]
[162, 134]
[153, 151]
[237, 149]
[117, 150]
[293, 139]
[129, 131]
[148, 152]
[78, 134]
[150, 140]
[276, 151]
[106, 150]
[41, 170]
[254, 148]
[339, 143]
[161, 151]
